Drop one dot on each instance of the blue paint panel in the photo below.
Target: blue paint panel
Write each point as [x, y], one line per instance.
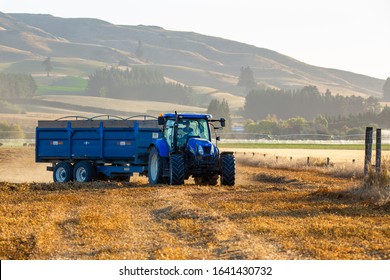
[146, 137]
[86, 134]
[87, 148]
[119, 134]
[49, 148]
[53, 134]
[119, 149]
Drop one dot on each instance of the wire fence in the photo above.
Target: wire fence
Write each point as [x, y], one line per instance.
[8, 138]
[298, 138]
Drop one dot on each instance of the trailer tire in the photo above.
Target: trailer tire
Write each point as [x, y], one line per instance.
[155, 167]
[228, 172]
[63, 172]
[84, 171]
[176, 170]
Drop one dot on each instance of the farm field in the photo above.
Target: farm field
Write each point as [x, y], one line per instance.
[271, 213]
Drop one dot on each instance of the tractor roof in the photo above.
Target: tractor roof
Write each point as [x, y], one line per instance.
[188, 116]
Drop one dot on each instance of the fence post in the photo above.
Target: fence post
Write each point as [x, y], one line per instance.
[378, 150]
[368, 150]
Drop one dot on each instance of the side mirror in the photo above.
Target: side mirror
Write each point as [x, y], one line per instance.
[222, 120]
[218, 138]
[161, 120]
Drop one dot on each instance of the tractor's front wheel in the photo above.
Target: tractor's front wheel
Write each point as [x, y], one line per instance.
[177, 170]
[228, 172]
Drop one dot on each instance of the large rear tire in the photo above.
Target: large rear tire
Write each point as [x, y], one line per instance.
[84, 171]
[228, 173]
[63, 172]
[177, 170]
[155, 167]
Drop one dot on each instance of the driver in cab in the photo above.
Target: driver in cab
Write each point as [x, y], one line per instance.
[184, 133]
[187, 129]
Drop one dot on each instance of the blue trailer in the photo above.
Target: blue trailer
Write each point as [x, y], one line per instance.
[167, 149]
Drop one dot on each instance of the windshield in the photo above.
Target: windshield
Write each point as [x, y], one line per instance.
[186, 128]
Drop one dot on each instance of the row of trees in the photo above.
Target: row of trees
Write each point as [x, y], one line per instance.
[320, 126]
[220, 109]
[138, 83]
[16, 86]
[307, 103]
[11, 131]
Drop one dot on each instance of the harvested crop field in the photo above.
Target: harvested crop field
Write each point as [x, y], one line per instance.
[270, 214]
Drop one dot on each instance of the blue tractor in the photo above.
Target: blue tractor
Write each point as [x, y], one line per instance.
[186, 150]
[168, 149]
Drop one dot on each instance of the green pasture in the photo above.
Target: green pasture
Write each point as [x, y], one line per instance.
[68, 85]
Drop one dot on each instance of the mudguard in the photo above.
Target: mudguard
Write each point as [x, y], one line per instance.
[162, 147]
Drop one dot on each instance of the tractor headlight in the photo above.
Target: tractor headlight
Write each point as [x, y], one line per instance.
[200, 151]
[212, 150]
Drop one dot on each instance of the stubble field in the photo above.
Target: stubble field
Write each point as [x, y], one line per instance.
[271, 213]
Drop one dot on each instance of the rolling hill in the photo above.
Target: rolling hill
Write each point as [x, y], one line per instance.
[80, 45]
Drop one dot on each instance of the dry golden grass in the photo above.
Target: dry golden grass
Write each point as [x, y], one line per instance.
[270, 214]
[341, 167]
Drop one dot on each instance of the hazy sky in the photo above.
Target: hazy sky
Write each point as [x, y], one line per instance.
[347, 35]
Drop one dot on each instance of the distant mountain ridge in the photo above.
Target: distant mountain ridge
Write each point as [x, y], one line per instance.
[187, 57]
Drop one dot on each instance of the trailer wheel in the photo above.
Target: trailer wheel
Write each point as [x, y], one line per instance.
[177, 170]
[84, 171]
[228, 172]
[63, 172]
[155, 167]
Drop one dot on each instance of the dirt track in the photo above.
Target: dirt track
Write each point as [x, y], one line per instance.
[269, 214]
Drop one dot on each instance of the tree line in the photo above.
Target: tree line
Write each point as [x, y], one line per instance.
[307, 111]
[11, 131]
[16, 86]
[320, 127]
[307, 102]
[220, 109]
[138, 83]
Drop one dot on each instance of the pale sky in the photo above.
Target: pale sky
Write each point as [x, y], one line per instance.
[342, 34]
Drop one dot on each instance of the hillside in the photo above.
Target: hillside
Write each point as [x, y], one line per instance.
[190, 58]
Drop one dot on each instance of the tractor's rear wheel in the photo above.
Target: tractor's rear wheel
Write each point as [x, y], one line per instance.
[177, 170]
[84, 171]
[155, 167]
[228, 172]
[63, 172]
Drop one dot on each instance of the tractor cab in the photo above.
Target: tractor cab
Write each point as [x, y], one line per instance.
[178, 130]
